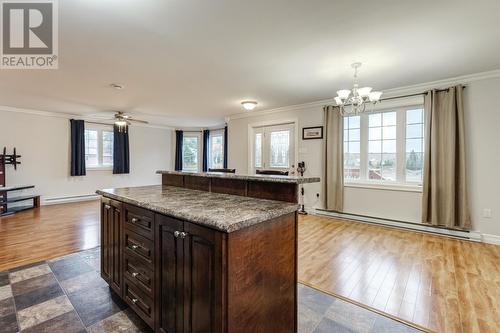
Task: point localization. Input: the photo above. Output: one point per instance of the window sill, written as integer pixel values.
(385, 187)
(100, 168)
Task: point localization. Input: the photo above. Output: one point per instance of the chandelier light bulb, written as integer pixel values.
(338, 101)
(364, 92)
(375, 96)
(343, 94)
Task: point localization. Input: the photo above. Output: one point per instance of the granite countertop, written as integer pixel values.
(261, 178)
(223, 212)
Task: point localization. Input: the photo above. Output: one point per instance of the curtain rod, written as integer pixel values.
(417, 94)
(97, 123)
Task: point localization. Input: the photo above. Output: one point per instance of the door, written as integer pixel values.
(202, 279)
(169, 275)
(273, 148)
(106, 239)
(110, 243)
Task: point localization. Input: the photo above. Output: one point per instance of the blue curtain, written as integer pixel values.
(206, 143)
(179, 136)
(121, 153)
(77, 147)
(225, 147)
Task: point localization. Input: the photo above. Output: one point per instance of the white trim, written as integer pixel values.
(99, 168)
(472, 235)
(70, 198)
(413, 89)
(77, 116)
(385, 186)
(491, 239)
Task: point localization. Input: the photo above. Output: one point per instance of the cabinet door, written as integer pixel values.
(106, 239)
(116, 265)
(202, 279)
(169, 275)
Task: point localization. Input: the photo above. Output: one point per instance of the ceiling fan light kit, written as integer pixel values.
(353, 101)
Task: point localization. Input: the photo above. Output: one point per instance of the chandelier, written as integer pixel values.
(352, 102)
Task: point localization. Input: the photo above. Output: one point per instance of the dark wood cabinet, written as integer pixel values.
(189, 277)
(111, 254)
(181, 277)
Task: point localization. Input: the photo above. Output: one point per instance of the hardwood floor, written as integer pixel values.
(443, 284)
(48, 232)
(439, 283)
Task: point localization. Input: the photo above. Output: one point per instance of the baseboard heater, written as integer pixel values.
(72, 198)
(460, 234)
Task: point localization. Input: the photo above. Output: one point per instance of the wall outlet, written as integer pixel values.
(487, 213)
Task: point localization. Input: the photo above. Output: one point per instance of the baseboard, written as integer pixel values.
(467, 235)
(68, 199)
(491, 239)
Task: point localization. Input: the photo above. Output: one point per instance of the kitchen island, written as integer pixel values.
(196, 260)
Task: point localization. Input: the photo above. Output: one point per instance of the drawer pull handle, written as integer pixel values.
(134, 300)
(134, 220)
(135, 247)
(135, 274)
(107, 206)
(180, 234)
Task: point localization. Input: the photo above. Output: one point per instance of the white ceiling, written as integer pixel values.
(192, 62)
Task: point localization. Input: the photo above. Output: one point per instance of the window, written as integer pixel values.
(273, 147)
(384, 147)
(98, 147)
(191, 152)
(216, 150)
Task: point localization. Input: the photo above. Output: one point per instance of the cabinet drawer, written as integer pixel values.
(139, 220)
(138, 273)
(138, 246)
(139, 302)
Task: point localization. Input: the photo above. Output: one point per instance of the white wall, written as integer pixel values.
(483, 138)
(44, 143)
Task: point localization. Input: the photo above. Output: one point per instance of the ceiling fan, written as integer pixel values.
(121, 119)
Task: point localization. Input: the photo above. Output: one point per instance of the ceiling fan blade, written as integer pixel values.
(138, 121)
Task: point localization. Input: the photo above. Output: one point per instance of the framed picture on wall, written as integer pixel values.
(311, 133)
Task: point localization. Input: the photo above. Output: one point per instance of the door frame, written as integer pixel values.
(251, 131)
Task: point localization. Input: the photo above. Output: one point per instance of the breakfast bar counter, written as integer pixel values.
(197, 260)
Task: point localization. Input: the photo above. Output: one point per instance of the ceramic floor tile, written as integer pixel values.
(124, 321)
(8, 324)
(37, 296)
(39, 313)
(317, 301)
(5, 292)
(386, 325)
(94, 305)
(69, 267)
(28, 285)
(4, 278)
(352, 316)
(87, 280)
(308, 319)
(28, 273)
(329, 326)
(67, 323)
(7, 307)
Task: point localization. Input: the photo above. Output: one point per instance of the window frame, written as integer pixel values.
(99, 129)
(198, 135)
(219, 132)
(400, 183)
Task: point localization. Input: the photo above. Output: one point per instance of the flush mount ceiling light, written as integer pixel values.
(354, 101)
(117, 86)
(249, 105)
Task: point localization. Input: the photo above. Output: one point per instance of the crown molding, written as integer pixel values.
(412, 89)
(70, 116)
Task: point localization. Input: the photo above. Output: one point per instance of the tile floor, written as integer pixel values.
(67, 295)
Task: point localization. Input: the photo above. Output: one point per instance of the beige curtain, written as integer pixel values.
(445, 201)
(333, 164)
